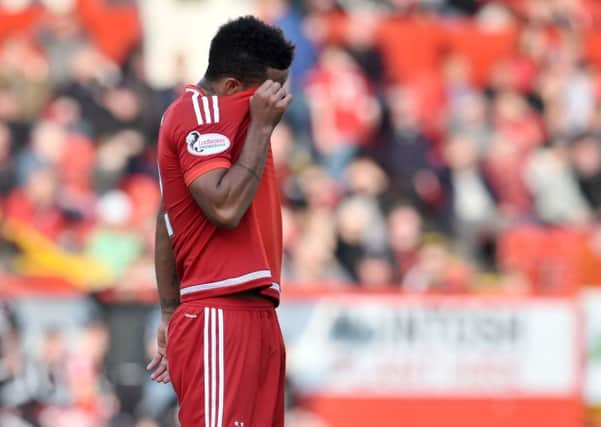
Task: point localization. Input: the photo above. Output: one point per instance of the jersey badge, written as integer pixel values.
(206, 144)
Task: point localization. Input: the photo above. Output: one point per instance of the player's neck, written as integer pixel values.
(206, 87)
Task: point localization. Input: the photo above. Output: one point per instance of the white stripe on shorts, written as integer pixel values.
(206, 366)
(214, 367)
(221, 371)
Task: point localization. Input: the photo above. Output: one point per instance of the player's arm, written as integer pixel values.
(224, 195)
(164, 265)
(168, 287)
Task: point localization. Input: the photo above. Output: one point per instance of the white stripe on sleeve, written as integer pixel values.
(196, 106)
(216, 109)
(205, 104)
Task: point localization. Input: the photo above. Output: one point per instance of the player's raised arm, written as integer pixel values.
(225, 194)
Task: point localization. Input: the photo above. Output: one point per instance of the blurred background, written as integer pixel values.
(441, 176)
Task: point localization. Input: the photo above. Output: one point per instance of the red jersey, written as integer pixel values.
(200, 133)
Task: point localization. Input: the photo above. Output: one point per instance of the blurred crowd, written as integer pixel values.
(433, 146)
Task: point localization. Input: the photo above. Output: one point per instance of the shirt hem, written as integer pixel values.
(204, 168)
(263, 284)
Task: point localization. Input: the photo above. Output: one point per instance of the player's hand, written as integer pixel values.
(158, 364)
(268, 104)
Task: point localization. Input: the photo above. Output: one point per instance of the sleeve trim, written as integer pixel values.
(205, 167)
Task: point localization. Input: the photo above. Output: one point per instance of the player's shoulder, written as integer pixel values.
(195, 109)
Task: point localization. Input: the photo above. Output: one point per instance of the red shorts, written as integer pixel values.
(227, 363)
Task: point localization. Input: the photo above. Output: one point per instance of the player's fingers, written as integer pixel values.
(263, 93)
(164, 378)
(158, 373)
(162, 374)
(285, 102)
(279, 94)
(159, 368)
(159, 378)
(154, 362)
(259, 93)
(274, 88)
(266, 86)
(271, 91)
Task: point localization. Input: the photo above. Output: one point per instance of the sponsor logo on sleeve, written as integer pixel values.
(206, 144)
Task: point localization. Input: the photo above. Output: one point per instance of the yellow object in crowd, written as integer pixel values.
(42, 257)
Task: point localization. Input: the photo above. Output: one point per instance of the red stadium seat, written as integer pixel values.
(483, 49)
(548, 257)
(116, 29)
(20, 22)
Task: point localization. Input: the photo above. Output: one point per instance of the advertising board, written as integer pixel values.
(431, 360)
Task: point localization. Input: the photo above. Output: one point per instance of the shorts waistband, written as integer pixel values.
(232, 303)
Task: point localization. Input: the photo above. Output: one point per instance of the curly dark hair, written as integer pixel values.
(245, 47)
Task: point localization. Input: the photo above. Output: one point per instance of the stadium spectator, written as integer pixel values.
(585, 156)
(7, 167)
(343, 109)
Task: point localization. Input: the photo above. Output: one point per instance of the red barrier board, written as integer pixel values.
(395, 412)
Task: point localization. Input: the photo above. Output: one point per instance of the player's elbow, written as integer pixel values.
(225, 218)
(226, 224)
(217, 209)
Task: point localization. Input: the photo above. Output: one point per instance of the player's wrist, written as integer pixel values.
(169, 309)
(263, 128)
(166, 316)
(168, 306)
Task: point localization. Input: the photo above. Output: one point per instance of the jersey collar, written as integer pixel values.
(196, 88)
(246, 92)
